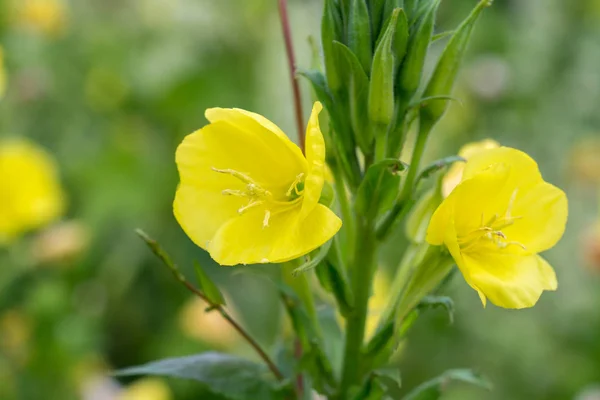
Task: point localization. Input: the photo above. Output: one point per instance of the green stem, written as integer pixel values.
(345, 208)
(300, 285)
(405, 199)
(362, 268)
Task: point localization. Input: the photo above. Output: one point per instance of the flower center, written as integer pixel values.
(491, 230)
(258, 196)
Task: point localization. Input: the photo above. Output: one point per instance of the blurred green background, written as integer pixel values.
(111, 87)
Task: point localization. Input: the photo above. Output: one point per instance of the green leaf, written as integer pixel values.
(436, 166)
(380, 185)
(208, 287)
(230, 376)
(319, 85)
(334, 281)
(376, 10)
(433, 389)
(390, 379)
(401, 37)
(331, 30)
(315, 260)
(381, 88)
(443, 77)
(359, 33)
(438, 301)
(371, 390)
(358, 90)
(412, 68)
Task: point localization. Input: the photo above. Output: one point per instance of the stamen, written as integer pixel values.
(294, 186)
(231, 192)
(252, 204)
(243, 177)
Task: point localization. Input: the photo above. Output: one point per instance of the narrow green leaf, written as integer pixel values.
(216, 371)
(315, 260)
(334, 281)
(433, 389)
(359, 33)
(208, 287)
(372, 389)
(381, 88)
(319, 85)
(443, 78)
(412, 68)
(331, 30)
(358, 90)
(380, 185)
(436, 166)
(438, 301)
(391, 381)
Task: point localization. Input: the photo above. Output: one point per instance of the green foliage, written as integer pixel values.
(433, 389)
(208, 287)
(223, 374)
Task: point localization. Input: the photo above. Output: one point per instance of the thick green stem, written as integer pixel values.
(362, 268)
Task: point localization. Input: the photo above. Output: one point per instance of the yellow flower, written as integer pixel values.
(455, 173)
(496, 221)
(46, 16)
(30, 193)
(247, 193)
(147, 389)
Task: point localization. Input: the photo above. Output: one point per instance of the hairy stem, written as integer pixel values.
(164, 257)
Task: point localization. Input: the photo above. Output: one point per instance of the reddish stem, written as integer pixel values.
(287, 35)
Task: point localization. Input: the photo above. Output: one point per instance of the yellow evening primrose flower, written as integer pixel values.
(30, 192)
(496, 221)
(455, 173)
(247, 194)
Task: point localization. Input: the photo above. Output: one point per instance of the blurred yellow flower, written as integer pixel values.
(30, 192)
(496, 221)
(377, 302)
(46, 16)
(455, 173)
(247, 193)
(146, 389)
(2, 74)
(209, 327)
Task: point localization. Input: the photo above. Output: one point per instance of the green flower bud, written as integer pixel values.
(411, 70)
(359, 33)
(381, 88)
(445, 73)
(331, 30)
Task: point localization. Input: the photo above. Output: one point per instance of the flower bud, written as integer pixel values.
(381, 88)
(410, 73)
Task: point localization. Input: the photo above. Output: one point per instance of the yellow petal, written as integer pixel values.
(223, 146)
(480, 197)
(244, 240)
(201, 210)
(525, 171)
(315, 155)
(455, 173)
(263, 130)
(508, 280)
(542, 213)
